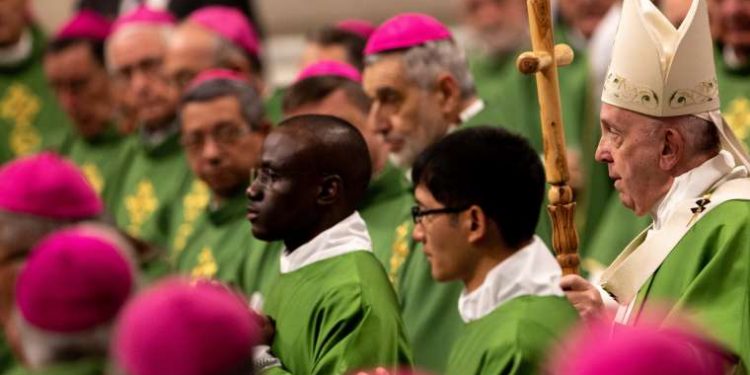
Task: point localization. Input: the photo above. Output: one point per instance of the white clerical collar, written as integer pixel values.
(18, 52)
(472, 110)
(531, 271)
(347, 236)
(692, 183)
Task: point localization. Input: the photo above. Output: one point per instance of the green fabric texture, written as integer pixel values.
(101, 158)
(706, 279)
(273, 106)
(515, 338)
(144, 197)
(30, 117)
(336, 316)
(7, 360)
(386, 209)
(80, 367)
(221, 247)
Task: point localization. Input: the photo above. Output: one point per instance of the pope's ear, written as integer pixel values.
(673, 149)
(476, 223)
(330, 189)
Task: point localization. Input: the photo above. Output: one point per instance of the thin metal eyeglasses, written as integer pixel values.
(418, 213)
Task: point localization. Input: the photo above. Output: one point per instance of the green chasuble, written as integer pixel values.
(101, 158)
(515, 338)
(734, 93)
(706, 277)
(386, 209)
(273, 106)
(144, 198)
(222, 247)
(30, 117)
(336, 316)
(80, 367)
(7, 360)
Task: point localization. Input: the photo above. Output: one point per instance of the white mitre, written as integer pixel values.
(663, 71)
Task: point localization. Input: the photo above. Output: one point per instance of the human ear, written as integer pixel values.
(449, 94)
(476, 223)
(330, 189)
(672, 150)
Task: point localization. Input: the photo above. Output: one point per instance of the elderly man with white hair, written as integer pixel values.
(672, 155)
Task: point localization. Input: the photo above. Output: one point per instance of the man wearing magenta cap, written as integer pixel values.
(74, 64)
(157, 177)
(334, 88)
(421, 88)
(223, 128)
(38, 194)
(67, 298)
(31, 118)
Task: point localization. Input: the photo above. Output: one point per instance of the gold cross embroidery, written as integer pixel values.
(140, 206)
(193, 204)
(206, 267)
(21, 107)
(737, 116)
(93, 176)
(400, 251)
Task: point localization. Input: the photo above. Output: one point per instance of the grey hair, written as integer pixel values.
(423, 63)
(701, 136)
(43, 348)
(165, 31)
(250, 102)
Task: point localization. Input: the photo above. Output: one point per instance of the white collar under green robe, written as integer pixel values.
(530, 271)
(345, 237)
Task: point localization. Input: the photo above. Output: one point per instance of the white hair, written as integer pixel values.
(423, 63)
(165, 31)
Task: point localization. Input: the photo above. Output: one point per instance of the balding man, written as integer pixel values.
(333, 306)
(157, 175)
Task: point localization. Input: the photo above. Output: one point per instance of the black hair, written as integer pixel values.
(354, 44)
(315, 89)
(339, 149)
(489, 167)
(250, 102)
(61, 44)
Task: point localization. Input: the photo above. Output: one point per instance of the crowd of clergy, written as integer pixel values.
(165, 210)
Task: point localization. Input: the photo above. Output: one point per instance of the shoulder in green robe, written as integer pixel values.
(515, 338)
(221, 247)
(30, 117)
(336, 316)
(706, 278)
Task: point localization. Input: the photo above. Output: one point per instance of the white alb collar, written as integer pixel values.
(531, 271)
(17, 52)
(472, 110)
(690, 184)
(347, 236)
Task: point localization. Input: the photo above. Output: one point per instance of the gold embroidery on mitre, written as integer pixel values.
(93, 176)
(206, 267)
(737, 116)
(622, 89)
(140, 206)
(400, 251)
(703, 92)
(193, 204)
(21, 107)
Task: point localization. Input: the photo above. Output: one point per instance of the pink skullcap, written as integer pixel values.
(360, 27)
(86, 24)
(47, 185)
(72, 282)
(639, 350)
(212, 74)
(144, 15)
(330, 68)
(187, 329)
(406, 30)
(231, 24)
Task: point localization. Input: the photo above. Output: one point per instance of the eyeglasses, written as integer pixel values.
(417, 213)
(224, 135)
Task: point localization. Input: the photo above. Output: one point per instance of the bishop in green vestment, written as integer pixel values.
(511, 303)
(683, 165)
(333, 308)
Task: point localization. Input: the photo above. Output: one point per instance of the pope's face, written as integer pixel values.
(220, 147)
(443, 242)
(585, 15)
(82, 87)
(136, 56)
(283, 195)
(733, 17)
(191, 50)
(407, 117)
(631, 145)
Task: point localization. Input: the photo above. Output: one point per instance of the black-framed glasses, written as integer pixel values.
(418, 213)
(224, 135)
